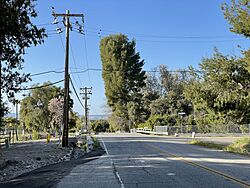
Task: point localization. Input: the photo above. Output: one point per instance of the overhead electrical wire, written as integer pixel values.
(148, 71)
(98, 31)
(99, 69)
(46, 72)
(64, 49)
(190, 41)
(85, 47)
(44, 24)
(105, 31)
(86, 58)
(42, 86)
(176, 41)
(74, 61)
(76, 93)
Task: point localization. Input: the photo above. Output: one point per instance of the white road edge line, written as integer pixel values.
(112, 163)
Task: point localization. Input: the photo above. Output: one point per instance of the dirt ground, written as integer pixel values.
(27, 156)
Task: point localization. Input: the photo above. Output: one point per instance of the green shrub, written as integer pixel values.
(100, 125)
(239, 146)
(35, 135)
(159, 120)
(207, 144)
(22, 137)
(96, 145)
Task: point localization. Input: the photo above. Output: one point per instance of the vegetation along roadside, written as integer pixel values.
(241, 146)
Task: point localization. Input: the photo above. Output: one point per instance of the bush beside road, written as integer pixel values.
(240, 146)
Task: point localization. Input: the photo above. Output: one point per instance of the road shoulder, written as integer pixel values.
(49, 176)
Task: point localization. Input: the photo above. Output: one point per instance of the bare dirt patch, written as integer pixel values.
(27, 156)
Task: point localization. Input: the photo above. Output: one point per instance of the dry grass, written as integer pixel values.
(241, 146)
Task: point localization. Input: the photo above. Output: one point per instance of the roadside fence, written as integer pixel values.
(234, 129)
(4, 140)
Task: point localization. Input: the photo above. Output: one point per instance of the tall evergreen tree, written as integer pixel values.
(122, 73)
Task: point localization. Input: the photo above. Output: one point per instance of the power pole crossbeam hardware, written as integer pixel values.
(85, 93)
(67, 15)
(66, 74)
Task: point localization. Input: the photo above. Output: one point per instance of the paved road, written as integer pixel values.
(134, 160)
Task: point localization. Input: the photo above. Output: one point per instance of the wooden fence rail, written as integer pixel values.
(5, 140)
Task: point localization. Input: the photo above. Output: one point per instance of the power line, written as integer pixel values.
(106, 31)
(46, 72)
(76, 93)
(86, 52)
(44, 24)
(148, 71)
(86, 57)
(73, 57)
(30, 88)
(64, 49)
(193, 42)
(180, 41)
(99, 69)
(176, 41)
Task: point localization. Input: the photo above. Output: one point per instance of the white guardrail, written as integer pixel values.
(152, 132)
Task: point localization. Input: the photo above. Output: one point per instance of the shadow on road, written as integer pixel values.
(49, 176)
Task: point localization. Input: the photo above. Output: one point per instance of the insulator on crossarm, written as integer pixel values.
(55, 21)
(59, 30)
(64, 21)
(99, 33)
(82, 19)
(80, 30)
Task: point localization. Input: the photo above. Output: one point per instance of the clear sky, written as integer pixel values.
(169, 32)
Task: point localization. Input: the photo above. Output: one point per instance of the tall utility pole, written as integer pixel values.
(86, 91)
(1, 106)
(66, 73)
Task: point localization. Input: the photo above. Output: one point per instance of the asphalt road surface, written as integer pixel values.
(134, 160)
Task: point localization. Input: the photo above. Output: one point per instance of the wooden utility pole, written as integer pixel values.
(1, 105)
(86, 92)
(66, 74)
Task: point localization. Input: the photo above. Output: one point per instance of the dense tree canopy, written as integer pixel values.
(222, 88)
(17, 33)
(34, 111)
(237, 14)
(100, 125)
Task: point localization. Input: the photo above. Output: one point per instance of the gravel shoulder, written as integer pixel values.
(50, 175)
(26, 156)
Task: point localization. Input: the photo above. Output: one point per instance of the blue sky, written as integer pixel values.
(160, 27)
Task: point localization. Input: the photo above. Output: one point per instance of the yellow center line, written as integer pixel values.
(231, 178)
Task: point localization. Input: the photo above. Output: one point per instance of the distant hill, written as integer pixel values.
(97, 117)
(10, 115)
